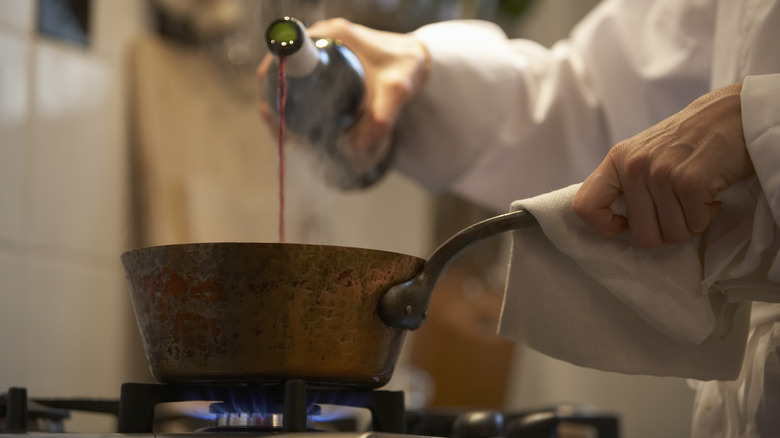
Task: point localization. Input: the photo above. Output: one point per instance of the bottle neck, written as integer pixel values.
(287, 38)
(303, 61)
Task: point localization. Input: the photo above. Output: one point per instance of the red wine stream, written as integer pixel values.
(281, 99)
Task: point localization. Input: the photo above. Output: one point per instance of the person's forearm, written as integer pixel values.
(503, 119)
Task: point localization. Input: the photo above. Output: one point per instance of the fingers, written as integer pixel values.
(370, 131)
(698, 212)
(338, 29)
(262, 68)
(671, 173)
(665, 224)
(642, 218)
(261, 73)
(264, 109)
(265, 113)
(657, 214)
(697, 194)
(660, 185)
(593, 201)
(648, 184)
(395, 68)
(331, 27)
(384, 107)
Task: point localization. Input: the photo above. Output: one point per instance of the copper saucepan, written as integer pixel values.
(268, 312)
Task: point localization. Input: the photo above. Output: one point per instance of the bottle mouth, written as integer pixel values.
(284, 36)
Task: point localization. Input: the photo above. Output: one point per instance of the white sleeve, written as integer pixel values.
(761, 124)
(502, 119)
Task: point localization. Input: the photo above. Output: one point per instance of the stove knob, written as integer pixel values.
(478, 424)
(541, 424)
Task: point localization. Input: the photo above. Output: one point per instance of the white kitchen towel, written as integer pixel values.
(603, 304)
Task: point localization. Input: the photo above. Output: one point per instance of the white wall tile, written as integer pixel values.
(17, 14)
(116, 23)
(14, 106)
(72, 333)
(78, 159)
(65, 314)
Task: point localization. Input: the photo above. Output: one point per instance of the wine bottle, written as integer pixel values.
(325, 94)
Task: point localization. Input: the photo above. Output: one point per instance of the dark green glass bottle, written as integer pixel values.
(325, 93)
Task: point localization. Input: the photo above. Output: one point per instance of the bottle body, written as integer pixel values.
(325, 94)
(324, 103)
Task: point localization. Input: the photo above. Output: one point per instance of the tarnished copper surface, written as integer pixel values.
(257, 312)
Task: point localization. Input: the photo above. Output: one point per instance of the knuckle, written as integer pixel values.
(666, 163)
(380, 124)
(398, 86)
(690, 185)
(636, 166)
(338, 28)
(633, 160)
(339, 23)
(659, 173)
(617, 151)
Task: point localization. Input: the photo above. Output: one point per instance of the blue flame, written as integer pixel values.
(333, 413)
(193, 409)
(326, 406)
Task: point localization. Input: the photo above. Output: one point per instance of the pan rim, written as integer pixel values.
(161, 247)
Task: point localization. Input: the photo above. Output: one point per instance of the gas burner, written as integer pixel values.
(231, 417)
(284, 407)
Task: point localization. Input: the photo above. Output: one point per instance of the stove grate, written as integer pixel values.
(138, 400)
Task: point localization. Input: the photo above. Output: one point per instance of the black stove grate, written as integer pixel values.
(138, 400)
(20, 414)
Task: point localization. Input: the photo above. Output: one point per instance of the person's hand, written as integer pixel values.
(670, 174)
(395, 64)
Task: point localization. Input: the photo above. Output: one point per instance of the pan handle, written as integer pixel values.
(405, 305)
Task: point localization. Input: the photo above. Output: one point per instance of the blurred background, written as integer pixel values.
(127, 123)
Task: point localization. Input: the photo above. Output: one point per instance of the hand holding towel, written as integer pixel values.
(604, 304)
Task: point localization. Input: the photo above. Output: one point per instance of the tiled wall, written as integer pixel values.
(63, 203)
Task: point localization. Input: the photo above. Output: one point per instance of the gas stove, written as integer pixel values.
(293, 409)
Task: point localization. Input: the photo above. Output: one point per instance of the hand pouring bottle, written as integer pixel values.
(324, 100)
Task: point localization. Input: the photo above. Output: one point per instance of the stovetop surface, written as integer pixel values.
(293, 402)
(370, 434)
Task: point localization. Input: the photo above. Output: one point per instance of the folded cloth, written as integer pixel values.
(604, 304)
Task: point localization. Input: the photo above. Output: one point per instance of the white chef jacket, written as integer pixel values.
(502, 119)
